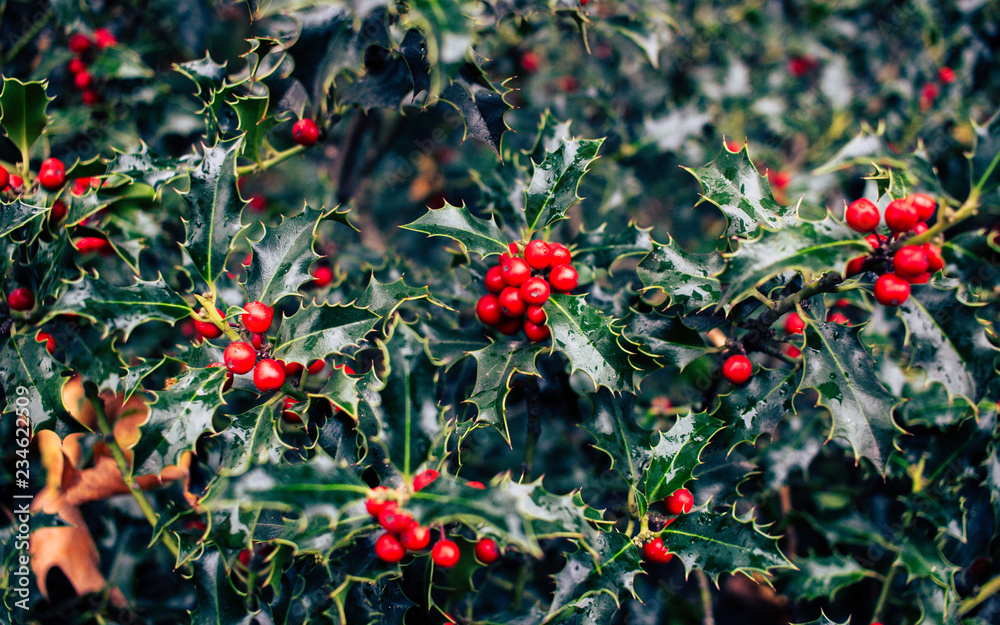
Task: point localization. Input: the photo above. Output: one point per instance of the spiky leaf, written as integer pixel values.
(614, 570)
(496, 366)
(318, 331)
(687, 279)
(23, 112)
(281, 258)
(552, 190)
(481, 236)
(678, 453)
(586, 337)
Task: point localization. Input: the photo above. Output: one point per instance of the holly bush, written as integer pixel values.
(700, 325)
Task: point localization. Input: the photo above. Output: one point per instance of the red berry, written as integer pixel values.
(656, 551)
(395, 521)
(79, 44)
(935, 260)
(21, 299)
(680, 502)
(90, 97)
(239, 357)
(244, 557)
(4, 177)
(794, 323)
(104, 38)
(424, 479)
(511, 302)
(52, 174)
(16, 183)
(87, 245)
(268, 375)
(737, 369)
(563, 278)
(475, 484)
(568, 83)
(793, 351)
(946, 75)
(559, 255)
(258, 317)
(487, 551)
(538, 254)
(836, 317)
(229, 376)
(536, 333)
(322, 276)
(81, 186)
(257, 202)
(536, 315)
(891, 290)
(779, 179)
(509, 326)
(445, 554)
(389, 549)
(862, 215)
(901, 215)
(535, 291)
(875, 240)
(923, 278)
(928, 93)
(920, 228)
(515, 271)
(48, 339)
(494, 279)
(530, 62)
(318, 365)
(376, 502)
(488, 309)
(925, 204)
(305, 132)
(76, 66)
(83, 81)
(910, 261)
(416, 538)
(208, 329)
(255, 341)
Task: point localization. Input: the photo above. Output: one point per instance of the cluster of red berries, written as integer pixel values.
(51, 177)
(83, 47)
(403, 533)
(680, 502)
(240, 356)
(910, 264)
(518, 290)
(930, 91)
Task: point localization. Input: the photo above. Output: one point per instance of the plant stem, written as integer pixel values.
(280, 157)
(213, 315)
(706, 598)
(93, 395)
(987, 590)
(880, 604)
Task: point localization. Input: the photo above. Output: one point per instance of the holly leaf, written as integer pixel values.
(732, 183)
(23, 114)
(554, 181)
(663, 337)
(811, 247)
(921, 557)
(758, 406)
(495, 368)
(282, 256)
(181, 413)
(824, 577)
(723, 543)
(399, 411)
(318, 331)
(825, 620)
(218, 603)
(601, 248)
(586, 337)
(687, 279)
(610, 572)
(482, 107)
(142, 168)
(677, 453)
(843, 373)
(383, 298)
(16, 214)
(254, 123)
(251, 439)
(30, 373)
(214, 208)
(612, 422)
(984, 155)
(481, 236)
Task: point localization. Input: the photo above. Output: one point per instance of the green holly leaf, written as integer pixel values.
(949, 342)
(933, 406)
(120, 307)
(180, 414)
(143, 168)
(732, 183)
(824, 577)
(612, 422)
(554, 181)
(586, 337)
(601, 248)
(825, 620)
(383, 298)
(447, 342)
(481, 236)
(495, 368)
(758, 406)
(23, 114)
(612, 571)
(687, 279)
(985, 153)
(218, 602)
(214, 208)
(282, 256)
(723, 543)
(843, 373)
(482, 108)
(16, 214)
(922, 557)
(677, 453)
(811, 247)
(254, 123)
(318, 331)
(663, 337)
(30, 372)
(252, 439)
(399, 411)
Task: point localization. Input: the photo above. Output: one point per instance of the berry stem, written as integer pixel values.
(211, 314)
(884, 595)
(705, 592)
(271, 162)
(94, 397)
